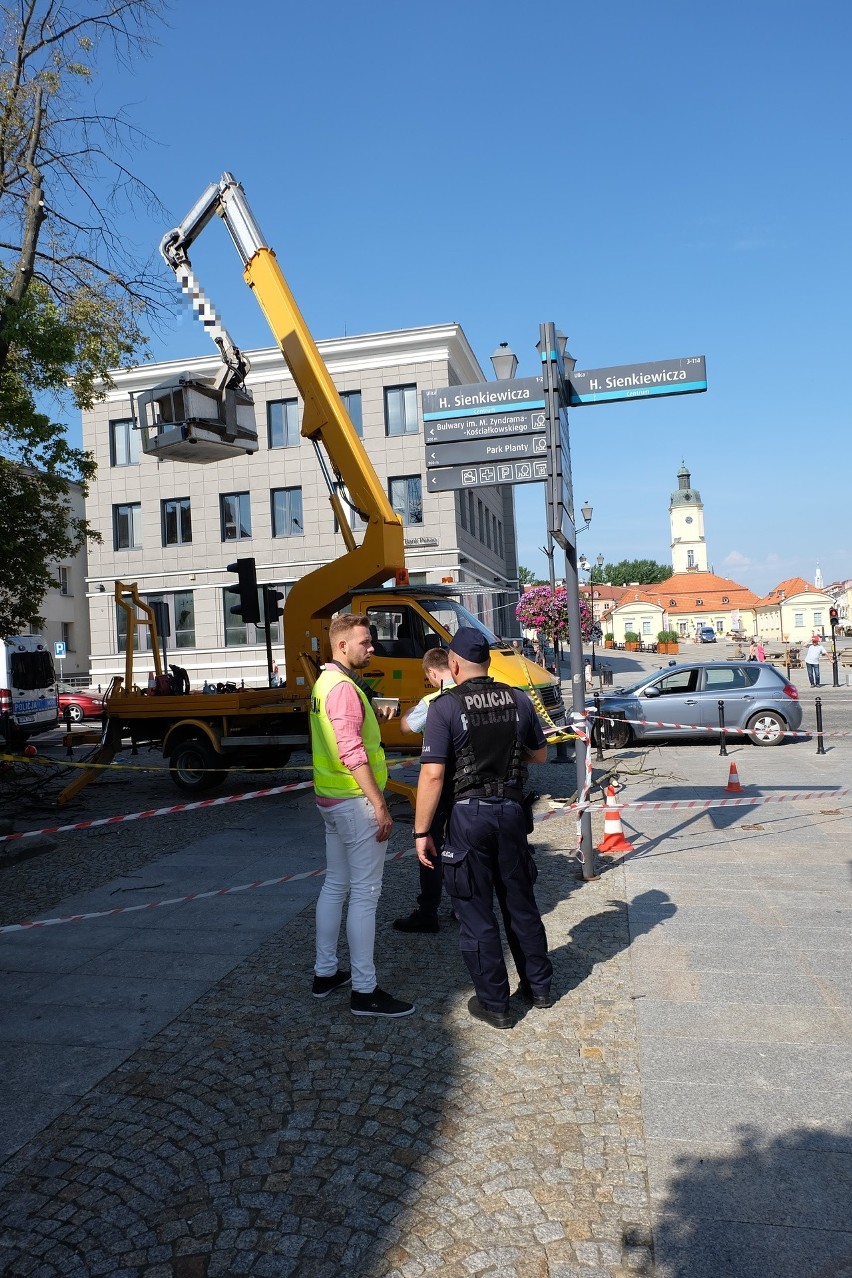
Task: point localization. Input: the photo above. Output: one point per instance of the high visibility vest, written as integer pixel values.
(332, 779)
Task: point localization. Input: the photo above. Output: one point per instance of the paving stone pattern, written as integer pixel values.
(265, 1133)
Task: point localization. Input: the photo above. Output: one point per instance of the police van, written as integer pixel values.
(28, 698)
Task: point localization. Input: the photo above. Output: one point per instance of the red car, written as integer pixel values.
(79, 705)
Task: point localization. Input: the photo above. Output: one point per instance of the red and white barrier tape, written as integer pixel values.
(700, 727)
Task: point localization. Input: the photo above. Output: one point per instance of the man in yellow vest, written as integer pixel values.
(350, 773)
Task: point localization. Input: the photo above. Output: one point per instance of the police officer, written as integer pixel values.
(484, 733)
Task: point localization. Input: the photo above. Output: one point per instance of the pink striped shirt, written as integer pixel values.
(345, 709)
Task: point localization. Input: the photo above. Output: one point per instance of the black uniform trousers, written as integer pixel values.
(486, 854)
(429, 899)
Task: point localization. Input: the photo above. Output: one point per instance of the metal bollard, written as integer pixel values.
(723, 749)
(820, 742)
(599, 754)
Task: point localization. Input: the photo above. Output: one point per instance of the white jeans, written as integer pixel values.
(355, 863)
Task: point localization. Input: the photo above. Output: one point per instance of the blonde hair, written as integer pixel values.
(436, 659)
(342, 625)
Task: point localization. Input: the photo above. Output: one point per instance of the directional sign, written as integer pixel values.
(482, 397)
(516, 448)
(525, 472)
(486, 425)
(685, 376)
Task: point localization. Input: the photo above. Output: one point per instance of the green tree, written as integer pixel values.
(526, 577)
(73, 298)
(646, 571)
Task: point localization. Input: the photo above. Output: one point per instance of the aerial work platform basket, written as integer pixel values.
(194, 420)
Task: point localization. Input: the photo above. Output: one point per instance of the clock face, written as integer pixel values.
(689, 519)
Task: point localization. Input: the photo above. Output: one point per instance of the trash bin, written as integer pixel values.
(606, 677)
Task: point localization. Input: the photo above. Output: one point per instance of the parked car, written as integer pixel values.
(79, 705)
(757, 697)
(706, 634)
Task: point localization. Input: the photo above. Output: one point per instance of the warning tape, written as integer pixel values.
(653, 805)
(694, 727)
(40, 759)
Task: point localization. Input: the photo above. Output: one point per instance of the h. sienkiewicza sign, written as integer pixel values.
(684, 376)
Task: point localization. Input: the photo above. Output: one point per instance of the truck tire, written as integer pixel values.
(193, 766)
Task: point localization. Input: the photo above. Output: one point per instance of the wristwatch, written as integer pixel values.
(421, 836)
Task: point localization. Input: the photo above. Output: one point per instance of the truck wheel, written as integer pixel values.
(193, 766)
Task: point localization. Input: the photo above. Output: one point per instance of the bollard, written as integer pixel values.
(723, 749)
(66, 715)
(599, 754)
(820, 742)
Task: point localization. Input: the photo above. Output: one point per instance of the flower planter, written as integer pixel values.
(609, 643)
(631, 647)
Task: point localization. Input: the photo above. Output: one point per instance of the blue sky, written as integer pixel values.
(659, 180)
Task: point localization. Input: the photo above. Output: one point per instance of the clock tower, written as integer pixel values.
(686, 514)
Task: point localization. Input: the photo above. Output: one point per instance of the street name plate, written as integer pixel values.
(525, 472)
(484, 426)
(685, 376)
(482, 397)
(515, 448)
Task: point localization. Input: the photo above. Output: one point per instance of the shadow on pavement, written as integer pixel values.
(599, 937)
(778, 1205)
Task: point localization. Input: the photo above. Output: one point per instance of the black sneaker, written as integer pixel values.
(378, 1004)
(538, 1000)
(497, 1020)
(325, 985)
(417, 922)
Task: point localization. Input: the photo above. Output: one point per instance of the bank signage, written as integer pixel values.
(514, 448)
(485, 476)
(684, 376)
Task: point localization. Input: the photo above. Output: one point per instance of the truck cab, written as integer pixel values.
(406, 622)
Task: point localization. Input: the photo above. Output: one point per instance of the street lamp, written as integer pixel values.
(504, 362)
(586, 512)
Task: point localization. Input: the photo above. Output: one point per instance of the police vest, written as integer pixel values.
(489, 762)
(332, 779)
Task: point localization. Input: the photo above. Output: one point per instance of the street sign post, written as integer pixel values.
(59, 651)
(485, 426)
(451, 477)
(684, 376)
(452, 402)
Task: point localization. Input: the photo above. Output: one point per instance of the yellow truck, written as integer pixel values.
(202, 736)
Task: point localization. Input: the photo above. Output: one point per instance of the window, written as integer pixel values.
(401, 410)
(127, 526)
(282, 423)
(123, 443)
(488, 527)
(817, 617)
(690, 559)
(406, 498)
(352, 404)
(646, 626)
(798, 618)
(121, 630)
(463, 509)
(64, 580)
(494, 532)
(236, 516)
(180, 612)
(500, 538)
(727, 677)
(683, 681)
(470, 522)
(629, 624)
(68, 635)
(237, 632)
(396, 632)
(176, 521)
(699, 603)
(720, 625)
(287, 512)
(479, 519)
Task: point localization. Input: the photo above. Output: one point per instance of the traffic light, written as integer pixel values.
(272, 601)
(833, 617)
(247, 609)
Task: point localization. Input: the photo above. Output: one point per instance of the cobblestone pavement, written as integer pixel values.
(265, 1133)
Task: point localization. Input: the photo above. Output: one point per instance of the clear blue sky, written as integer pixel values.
(659, 180)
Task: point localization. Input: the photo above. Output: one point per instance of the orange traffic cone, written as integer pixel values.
(733, 786)
(613, 839)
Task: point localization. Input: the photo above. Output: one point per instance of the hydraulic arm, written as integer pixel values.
(315, 597)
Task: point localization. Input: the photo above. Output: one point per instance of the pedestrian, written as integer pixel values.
(424, 918)
(752, 651)
(483, 734)
(812, 656)
(588, 677)
(761, 651)
(350, 773)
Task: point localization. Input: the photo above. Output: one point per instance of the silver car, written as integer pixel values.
(756, 696)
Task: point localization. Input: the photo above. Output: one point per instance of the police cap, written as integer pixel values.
(471, 645)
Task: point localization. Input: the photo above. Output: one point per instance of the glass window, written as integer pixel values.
(451, 615)
(798, 618)
(123, 443)
(401, 410)
(121, 630)
(127, 526)
(470, 522)
(463, 509)
(690, 559)
(237, 632)
(406, 498)
(500, 538)
(396, 632)
(727, 677)
(176, 521)
(68, 635)
(817, 618)
(646, 626)
(236, 516)
(683, 681)
(287, 512)
(180, 610)
(64, 580)
(282, 423)
(479, 513)
(488, 528)
(352, 404)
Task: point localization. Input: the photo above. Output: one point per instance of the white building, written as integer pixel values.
(173, 527)
(65, 607)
